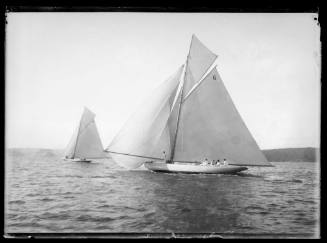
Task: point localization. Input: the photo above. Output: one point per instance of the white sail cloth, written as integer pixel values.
(145, 132)
(211, 127)
(86, 142)
(199, 60)
(209, 123)
(70, 149)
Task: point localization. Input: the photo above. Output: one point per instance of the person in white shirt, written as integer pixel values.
(205, 162)
(225, 162)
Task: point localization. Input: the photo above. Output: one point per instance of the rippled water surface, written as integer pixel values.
(47, 194)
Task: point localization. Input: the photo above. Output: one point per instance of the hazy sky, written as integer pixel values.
(57, 63)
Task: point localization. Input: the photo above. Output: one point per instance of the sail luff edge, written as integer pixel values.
(180, 103)
(133, 155)
(79, 128)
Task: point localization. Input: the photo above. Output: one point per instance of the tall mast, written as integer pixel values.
(180, 105)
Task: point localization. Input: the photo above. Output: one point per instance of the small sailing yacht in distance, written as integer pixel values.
(186, 120)
(85, 143)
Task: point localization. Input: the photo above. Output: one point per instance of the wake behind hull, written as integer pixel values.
(189, 168)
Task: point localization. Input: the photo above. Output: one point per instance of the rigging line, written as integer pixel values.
(182, 100)
(180, 104)
(179, 110)
(134, 155)
(179, 88)
(104, 157)
(149, 157)
(178, 115)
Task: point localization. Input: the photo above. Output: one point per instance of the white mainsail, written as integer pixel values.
(211, 127)
(85, 142)
(146, 127)
(191, 122)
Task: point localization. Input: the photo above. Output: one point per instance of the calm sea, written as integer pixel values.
(47, 194)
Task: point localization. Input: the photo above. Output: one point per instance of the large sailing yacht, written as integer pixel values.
(85, 143)
(188, 119)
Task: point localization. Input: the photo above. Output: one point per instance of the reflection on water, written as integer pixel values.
(51, 195)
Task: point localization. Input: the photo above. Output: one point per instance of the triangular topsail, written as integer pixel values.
(145, 128)
(86, 142)
(199, 60)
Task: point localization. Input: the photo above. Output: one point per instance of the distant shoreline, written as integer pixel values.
(308, 154)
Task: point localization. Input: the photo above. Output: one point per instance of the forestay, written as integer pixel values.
(145, 131)
(165, 142)
(210, 126)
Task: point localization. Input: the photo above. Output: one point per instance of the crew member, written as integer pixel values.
(205, 162)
